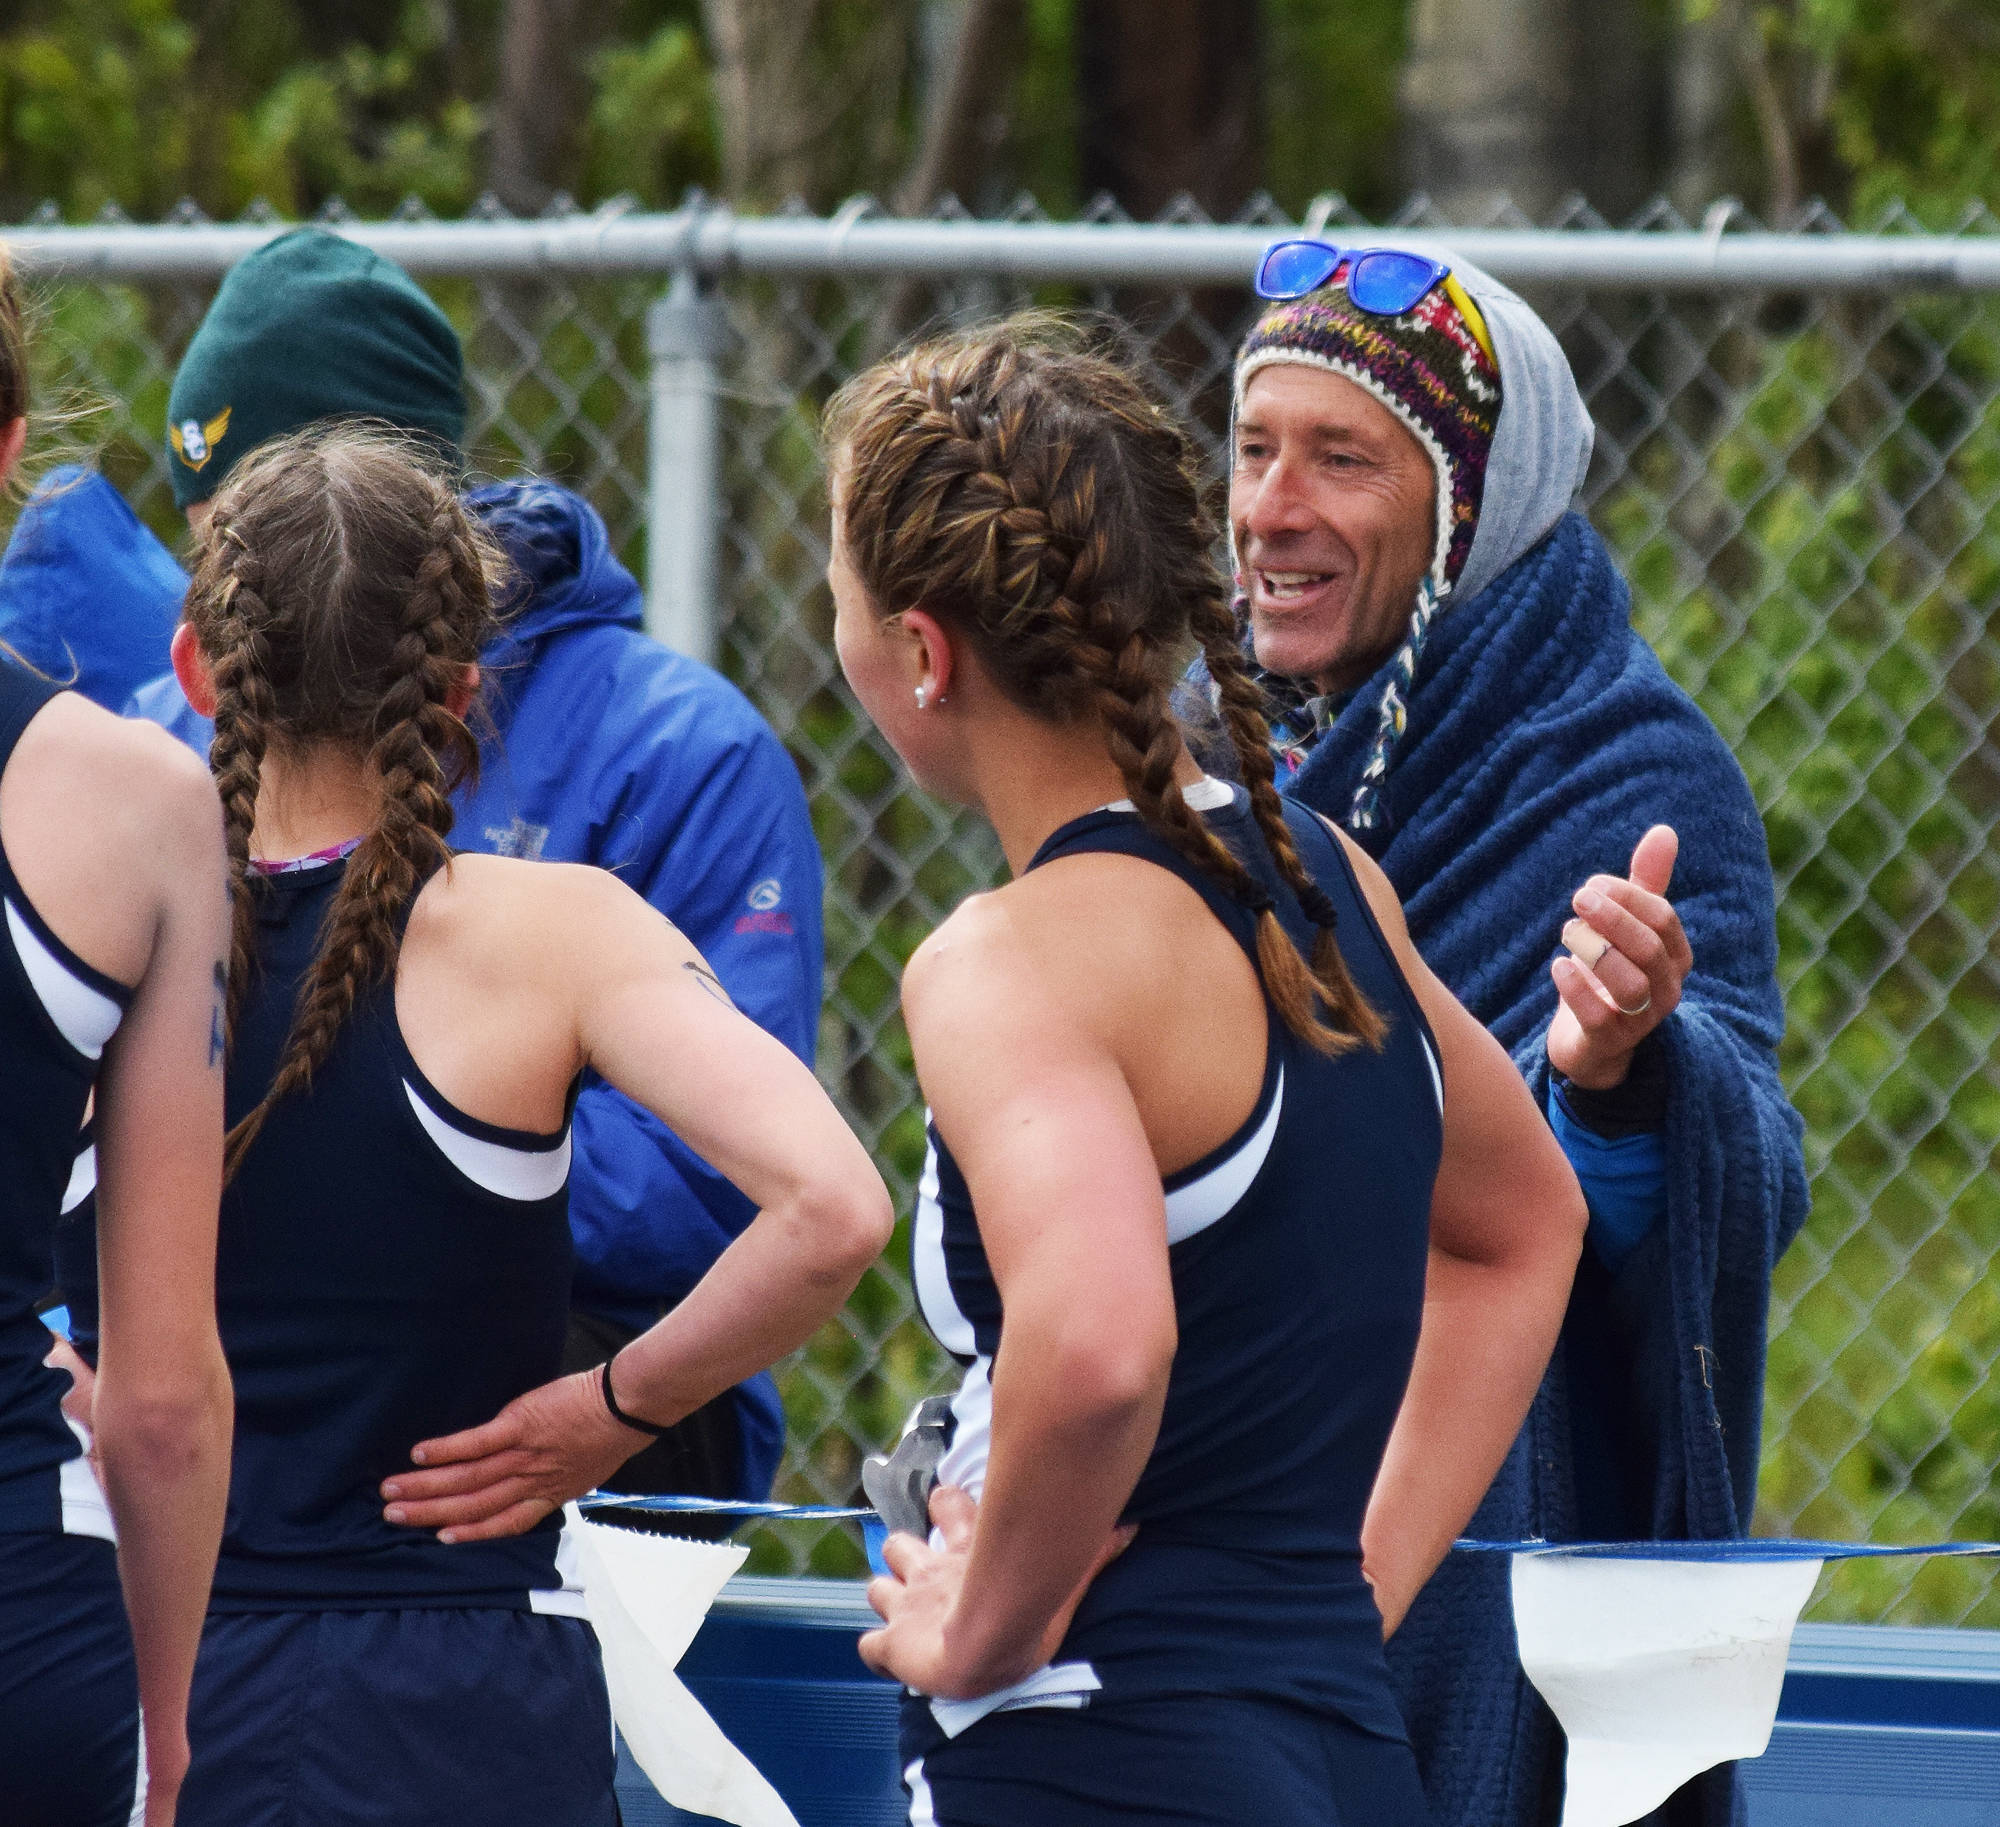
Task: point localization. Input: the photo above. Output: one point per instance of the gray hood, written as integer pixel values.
(1541, 447)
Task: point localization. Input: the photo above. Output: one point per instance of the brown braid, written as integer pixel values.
(1242, 705)
(238, 658)
(340, 595)
(1030, 493)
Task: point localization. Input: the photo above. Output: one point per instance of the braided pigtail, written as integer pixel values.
(225, 598)
(341, 600)
(420, 749)
(1354, 1019)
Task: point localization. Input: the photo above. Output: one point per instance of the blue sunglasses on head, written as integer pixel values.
(1384, 281)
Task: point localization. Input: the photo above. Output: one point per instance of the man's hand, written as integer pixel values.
(920, 1594)
(77, 1403)
(80, 1403)
(1630, 959)
(542, 1449)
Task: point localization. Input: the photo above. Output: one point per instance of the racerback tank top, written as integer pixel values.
(389, 1269)
(56, 1014)
(1297, 1250)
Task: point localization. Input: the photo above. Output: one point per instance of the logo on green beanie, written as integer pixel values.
(194, 443)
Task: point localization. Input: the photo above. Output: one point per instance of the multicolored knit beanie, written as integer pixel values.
(1434, 368)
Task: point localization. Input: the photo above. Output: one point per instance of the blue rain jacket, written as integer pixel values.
(615, 751)
(87, 595)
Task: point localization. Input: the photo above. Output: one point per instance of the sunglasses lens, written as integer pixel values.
(1389, 283)
(1294, 268)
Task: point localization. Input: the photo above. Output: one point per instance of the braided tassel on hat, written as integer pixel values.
(1366, 813)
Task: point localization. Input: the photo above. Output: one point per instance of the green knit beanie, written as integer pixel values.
(311, 326)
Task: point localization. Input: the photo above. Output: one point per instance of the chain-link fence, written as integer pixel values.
(1798, 465)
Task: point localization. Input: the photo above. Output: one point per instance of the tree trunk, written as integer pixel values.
(762, 52)
(1170, 101)
(1532, 100)
(538, 100)
(1704, 94)
(966, 115)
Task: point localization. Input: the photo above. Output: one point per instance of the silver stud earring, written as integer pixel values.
(923, 697)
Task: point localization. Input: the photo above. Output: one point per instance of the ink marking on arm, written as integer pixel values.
(218, 1039)
(708, 981)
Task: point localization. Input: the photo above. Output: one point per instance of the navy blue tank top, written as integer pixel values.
(1297, 1250)
(56, 1014)
(388, 1269)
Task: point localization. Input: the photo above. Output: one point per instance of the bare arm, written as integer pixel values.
(1507, 1222)
(163, 1406)
(652, 1019)
(1040, 1118)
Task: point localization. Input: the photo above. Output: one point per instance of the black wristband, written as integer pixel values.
(618, 1414)
(1636, 1105)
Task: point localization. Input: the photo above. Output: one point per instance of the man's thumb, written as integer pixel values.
(1653, 859)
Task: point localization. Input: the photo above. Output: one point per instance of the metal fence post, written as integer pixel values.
(684, 340)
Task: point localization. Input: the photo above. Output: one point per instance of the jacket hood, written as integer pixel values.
(87, 594)
(566, 575)
(1541, 446)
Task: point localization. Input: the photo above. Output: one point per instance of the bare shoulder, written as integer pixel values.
(1005, 944)
(112, 828)
(1062, 950)
(130, 771)
(968, 943)
(531, 918)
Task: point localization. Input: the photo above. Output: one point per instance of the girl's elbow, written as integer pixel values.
(1118, 1372)
(850, 1223)
(164, 1427)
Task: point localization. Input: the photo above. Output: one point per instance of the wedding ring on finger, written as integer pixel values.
(1640, 1010)
(1584, 942)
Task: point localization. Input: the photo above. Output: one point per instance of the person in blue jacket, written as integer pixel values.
(605, 748)
(88, 596)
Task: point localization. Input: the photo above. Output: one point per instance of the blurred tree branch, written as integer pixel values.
(1170, 99)
(807, 94)
(967, 115)
(1786, 51)
(538, 97)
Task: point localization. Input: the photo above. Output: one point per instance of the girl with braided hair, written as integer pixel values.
(1209, 1147)
(407, 1030)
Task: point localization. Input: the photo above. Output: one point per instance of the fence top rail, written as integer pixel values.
(716, 241)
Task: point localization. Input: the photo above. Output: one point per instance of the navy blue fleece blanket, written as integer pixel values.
(1544, 737)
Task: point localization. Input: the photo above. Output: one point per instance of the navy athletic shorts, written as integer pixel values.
(1182, 1760)
(69, 1692)
(408, 1718)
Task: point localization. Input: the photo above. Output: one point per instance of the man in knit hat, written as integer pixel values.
(1453, 678)
(608, 749)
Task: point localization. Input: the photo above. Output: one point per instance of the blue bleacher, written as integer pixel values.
(1878, 1727)
(1881, 1727)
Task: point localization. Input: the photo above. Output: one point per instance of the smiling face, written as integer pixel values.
(1333, 505)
